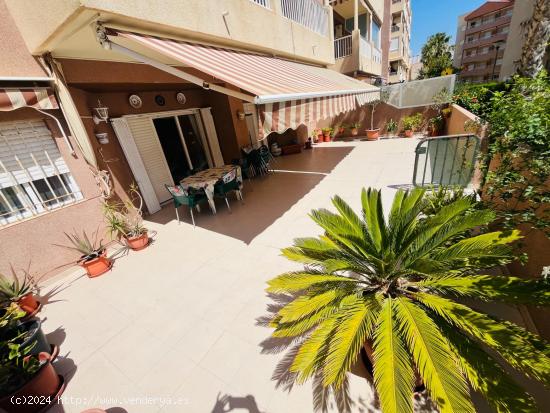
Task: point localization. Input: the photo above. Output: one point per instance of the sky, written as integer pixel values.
(432, 16)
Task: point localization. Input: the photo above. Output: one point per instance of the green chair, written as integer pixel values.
(228, 183)
(192, 198)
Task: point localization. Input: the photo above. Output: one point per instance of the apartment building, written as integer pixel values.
(482, 40)
(148, 91)
(371, 39)
(399, 46)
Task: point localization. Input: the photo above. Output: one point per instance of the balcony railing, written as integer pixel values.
(264, 3)
(395, 28)
(308, 13)
(343, 47)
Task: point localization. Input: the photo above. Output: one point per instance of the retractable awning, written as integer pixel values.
(286, 93)
(38, 98)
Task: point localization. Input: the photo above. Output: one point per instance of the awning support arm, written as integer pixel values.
(110, 45)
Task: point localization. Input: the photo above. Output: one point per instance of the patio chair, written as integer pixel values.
(192, 198)
(228, 184)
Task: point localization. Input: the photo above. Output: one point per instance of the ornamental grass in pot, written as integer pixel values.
(23, 375)
(93, 255)
(124, 220)
(21, 292)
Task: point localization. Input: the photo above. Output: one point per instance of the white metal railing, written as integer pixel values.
(264, 3)
(343, 47)
(308, 13)
(376, 55)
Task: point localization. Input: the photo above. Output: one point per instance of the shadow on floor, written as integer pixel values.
(266, 198)
(227, 403)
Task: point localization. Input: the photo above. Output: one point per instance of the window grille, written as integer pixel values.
(34, 178)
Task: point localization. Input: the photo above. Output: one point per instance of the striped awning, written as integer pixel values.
(39, 98)
(287, 93)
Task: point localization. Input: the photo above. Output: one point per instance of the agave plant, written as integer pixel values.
(396, 287)
(89, 248)
(12, 288)
(124, 219)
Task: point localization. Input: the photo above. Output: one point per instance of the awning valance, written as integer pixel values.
(38, 98)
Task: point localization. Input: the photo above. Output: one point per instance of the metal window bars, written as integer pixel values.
(31, 196)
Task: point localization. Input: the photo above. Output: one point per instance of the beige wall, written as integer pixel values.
(523, 10)
(16, 61)
(29, 244)
(246, 24)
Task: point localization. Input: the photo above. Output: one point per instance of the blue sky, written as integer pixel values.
(432, 16)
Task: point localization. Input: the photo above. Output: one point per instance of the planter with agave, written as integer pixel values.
(24, 375)
(21, 292)
(395, 288)
(124, 220)
(93, 254)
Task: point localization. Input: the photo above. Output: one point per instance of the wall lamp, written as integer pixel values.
(240, 114)
(101, 113)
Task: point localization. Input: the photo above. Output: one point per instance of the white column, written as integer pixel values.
(355, 15)
(370, 26)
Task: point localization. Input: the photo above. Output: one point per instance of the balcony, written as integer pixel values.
(395, 28)
(354, 53)
(486, 41)
(298, 29)
(488, 25)
(481, 57)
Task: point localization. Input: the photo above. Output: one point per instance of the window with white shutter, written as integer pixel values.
(34, 178)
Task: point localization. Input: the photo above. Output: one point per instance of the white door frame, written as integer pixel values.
(206, 131)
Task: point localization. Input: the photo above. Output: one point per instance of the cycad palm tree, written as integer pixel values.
(396, 285)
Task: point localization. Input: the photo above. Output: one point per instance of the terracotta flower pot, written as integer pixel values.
(409, 133)
(326, 138)
(373, 134)
(29, 304)
(320, 137)
(45, 385)
(138, 243)
(341, 131)
(97, 266)
(354, 131)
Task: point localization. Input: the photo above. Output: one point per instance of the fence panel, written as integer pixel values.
(418, 92)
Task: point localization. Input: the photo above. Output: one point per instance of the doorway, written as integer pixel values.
(181, 144)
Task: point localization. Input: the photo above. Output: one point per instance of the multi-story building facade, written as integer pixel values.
(358, 28)
(152, 92)
(400, 38)
(482, 38)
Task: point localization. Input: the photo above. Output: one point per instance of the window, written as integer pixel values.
(34, 178)
(363, 26)
(394, 44)
(375, 34)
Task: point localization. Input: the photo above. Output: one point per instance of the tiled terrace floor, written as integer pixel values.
(178, 319)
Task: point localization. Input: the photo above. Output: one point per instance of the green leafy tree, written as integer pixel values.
(436, 56)
(394, 286)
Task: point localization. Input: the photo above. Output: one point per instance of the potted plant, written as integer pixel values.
(341, 128)
(23, 375)
(354, 128)
(403, 292)
(314, 136)
(391, 127)
(21, 292)
(411, 123)
(319, 135)
(327, 133)
(93, 255)
(436, 125)
(372, 133)
(124, 220)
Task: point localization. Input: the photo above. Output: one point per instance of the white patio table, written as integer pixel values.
(207, 179)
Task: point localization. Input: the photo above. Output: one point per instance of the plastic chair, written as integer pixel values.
(228, 184)
(192, 198)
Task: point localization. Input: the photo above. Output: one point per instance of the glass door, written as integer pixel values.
(193, 143)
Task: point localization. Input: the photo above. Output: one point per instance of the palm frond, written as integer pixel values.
(487, 377)
(518, 351)
(350, 216)
(491, 245)
(393, 371)
(307, 304)
(355, 325)
(373, 214)
(434, 359)
(313, 350)
(291, 282)
(490, 287)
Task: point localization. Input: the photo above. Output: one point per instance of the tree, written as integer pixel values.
(536, 42)
(391, 286)
(436, 56)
